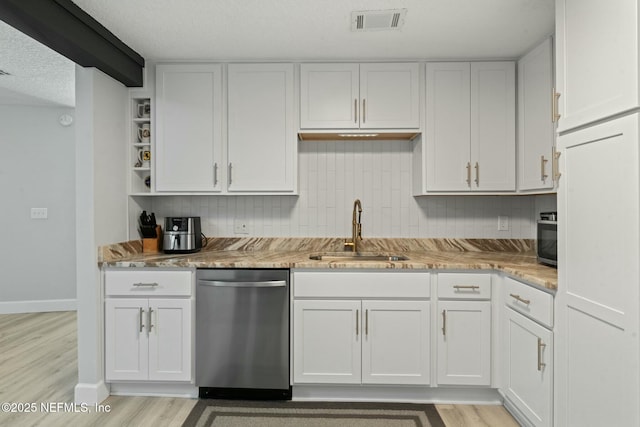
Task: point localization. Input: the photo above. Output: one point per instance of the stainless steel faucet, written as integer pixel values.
(356, 227)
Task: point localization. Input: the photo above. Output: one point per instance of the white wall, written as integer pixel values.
(101, 212)
(37, 169)
(333, 174)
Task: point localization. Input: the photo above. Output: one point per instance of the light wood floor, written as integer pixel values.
(38, 364)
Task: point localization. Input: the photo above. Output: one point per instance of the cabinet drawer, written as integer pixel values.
(148, 282)
(529, 301)
(355, 284)
(464, 286)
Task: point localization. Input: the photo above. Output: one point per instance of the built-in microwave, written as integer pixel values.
(547, 243)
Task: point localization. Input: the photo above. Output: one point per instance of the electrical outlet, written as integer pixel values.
(39, 213)
(503, 223)
(240, 226)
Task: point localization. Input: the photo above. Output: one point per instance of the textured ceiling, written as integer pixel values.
(279, 30)
(38, 75)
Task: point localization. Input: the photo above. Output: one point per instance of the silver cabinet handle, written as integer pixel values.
(215, 174)
(519, 298)
(543, 176)
(477, 180)
(357, 322)
(541, 346)
(141, 325)
(469, 174)
(364, 111)
(472, 287)
(262, 284)
(355, 108)
(149, 324)
(366, 323)
(444, 323)
(149, 285)
(229, 173)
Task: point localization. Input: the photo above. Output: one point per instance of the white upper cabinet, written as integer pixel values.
(596, 59)
(493, 126)
(262, 143)
(189, 127)
(447, 131)
(470, 127)
(359, 96)
(535, 121)
(329, 96)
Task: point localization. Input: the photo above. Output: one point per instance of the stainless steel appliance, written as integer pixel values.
(182, 235)
(547, 243)
(242, 334)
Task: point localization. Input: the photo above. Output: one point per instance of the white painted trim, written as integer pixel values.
(13, 307)
(516, 413)
(188, 391)
(90, 394)
(407, 394)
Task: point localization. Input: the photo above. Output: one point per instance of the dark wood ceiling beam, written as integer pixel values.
(70, 31)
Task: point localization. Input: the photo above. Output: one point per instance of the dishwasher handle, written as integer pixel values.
(232, 284)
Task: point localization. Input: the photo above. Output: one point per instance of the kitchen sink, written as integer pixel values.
(357, 256)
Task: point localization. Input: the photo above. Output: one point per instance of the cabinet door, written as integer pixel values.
(329, 96)
(327, 341)
(188, 126)
(596, 59)
(464, 342)
(529, 368)
(493, 132)
(170, 339)
(535, 125)
(389, 95)
(447, 132)
(597, 304)
(395, 344)
(126, 340)
(262, 144)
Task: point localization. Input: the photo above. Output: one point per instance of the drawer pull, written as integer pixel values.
(357, 321)
(141, 284)
(519, 298)
(472, 287)
(541, 346)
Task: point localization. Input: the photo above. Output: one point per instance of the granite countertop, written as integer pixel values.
(514, 257)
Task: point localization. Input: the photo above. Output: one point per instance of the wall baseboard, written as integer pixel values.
(14, 307)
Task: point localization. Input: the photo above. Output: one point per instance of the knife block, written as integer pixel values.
(153, 245)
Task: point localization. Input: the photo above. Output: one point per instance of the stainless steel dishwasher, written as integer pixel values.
(242, 334)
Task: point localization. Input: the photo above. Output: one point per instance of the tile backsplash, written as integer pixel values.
(332, 174)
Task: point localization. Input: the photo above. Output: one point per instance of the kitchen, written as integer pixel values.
(462, 208)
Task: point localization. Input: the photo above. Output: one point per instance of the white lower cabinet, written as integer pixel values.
(368, 342)
(148, 326)
(529, 361)
(464, 329)
(464, 343)
(373, 329)
(529, 352)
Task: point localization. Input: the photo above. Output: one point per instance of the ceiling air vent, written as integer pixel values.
(377, 20)
(4, 73)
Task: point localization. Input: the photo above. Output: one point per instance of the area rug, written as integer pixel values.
(234, 413)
